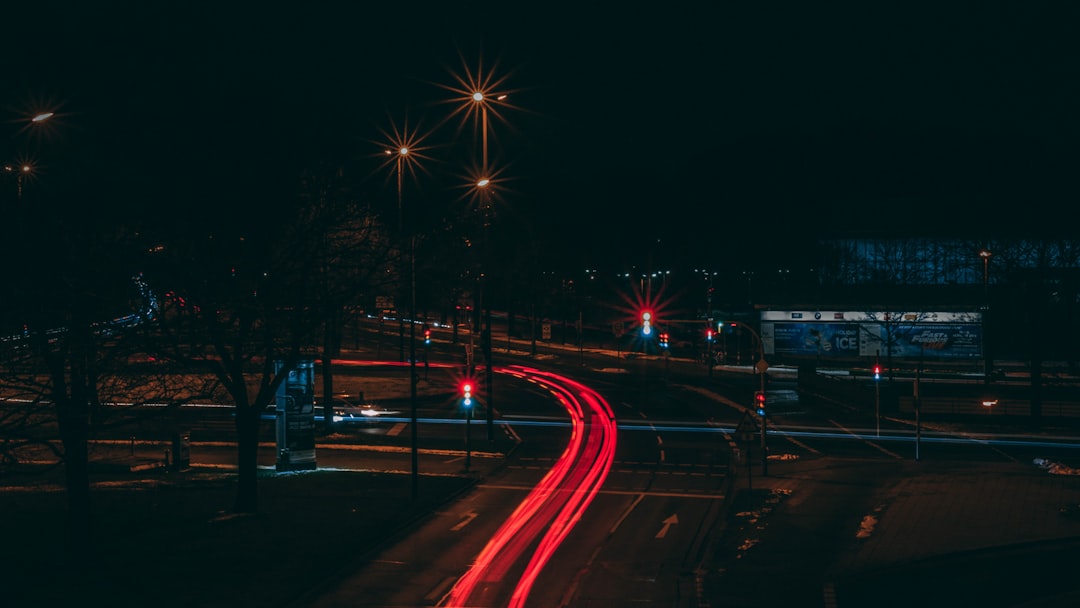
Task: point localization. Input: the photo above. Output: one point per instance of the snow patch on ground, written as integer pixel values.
(1055, 468)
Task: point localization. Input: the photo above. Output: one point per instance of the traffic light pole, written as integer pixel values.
(760, 369)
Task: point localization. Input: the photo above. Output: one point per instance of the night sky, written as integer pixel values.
(711, 132)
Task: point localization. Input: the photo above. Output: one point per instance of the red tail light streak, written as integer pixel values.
(547, 515)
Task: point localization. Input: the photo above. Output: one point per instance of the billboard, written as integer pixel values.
(811, 339)
(930, 340)
(846, 334)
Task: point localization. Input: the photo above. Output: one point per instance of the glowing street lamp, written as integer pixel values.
(476, 96)
(22, 170)
(405, 153)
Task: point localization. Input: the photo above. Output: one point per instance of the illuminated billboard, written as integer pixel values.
(847, 334)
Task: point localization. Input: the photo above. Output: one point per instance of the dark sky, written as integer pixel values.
(722, 129)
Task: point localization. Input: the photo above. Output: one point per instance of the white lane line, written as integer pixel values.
(866, 441)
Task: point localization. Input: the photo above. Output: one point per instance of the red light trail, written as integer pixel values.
(554, 506)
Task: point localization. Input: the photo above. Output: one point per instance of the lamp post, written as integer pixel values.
(405, 152)
(986, 254)
(480, 100)
(19, 171)
(477, 97)
(484, 186)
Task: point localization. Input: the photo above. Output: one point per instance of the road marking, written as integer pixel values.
(867, 442)
(639, 498)
(797, 442)
(471, 515)
(674, 519)
(440, 589)
(396, 429)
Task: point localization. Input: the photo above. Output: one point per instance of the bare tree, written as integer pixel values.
(246, 309)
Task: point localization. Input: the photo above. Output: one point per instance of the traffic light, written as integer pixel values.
(427, 336)
(708, 335)
(877, 371)
(646, 323)
(663, 339)
(759, 402)
(466, 394)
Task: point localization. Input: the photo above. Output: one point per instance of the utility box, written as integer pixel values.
(181, 451)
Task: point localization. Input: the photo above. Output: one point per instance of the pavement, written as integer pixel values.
(820, 532)
(831, 532)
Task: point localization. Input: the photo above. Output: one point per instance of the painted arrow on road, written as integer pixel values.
(471, 515)
(674, 519)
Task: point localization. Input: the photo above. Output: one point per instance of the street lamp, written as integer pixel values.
(19, 171)
(484, 185)
(23, 169)
(405, 152)
(986, 254)
(477, 96)
(402, 155)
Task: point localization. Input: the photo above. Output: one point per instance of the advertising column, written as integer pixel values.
(295, 401)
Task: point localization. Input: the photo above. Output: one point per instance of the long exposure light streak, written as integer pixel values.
(547, 515)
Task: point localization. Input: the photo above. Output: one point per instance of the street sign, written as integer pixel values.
(761, 366)
(747, 428)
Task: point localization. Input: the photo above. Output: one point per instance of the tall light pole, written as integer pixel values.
(484, 185)
(480, 101)
(986, 254)
(405, 152)
(476, 96)
(402, 154)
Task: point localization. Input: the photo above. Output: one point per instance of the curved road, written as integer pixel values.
(504, 572)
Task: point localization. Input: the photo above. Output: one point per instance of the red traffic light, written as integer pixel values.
(646, 322)
(877, 372)
(759, 402)
(466, 394)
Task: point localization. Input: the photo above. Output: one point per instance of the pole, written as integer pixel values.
(988, 362)
(468, 437)
(761, 383)
(414, 451)
(489, 372)
(489, 375)
(764, 443)
(877, 406)
(918, 425)
(414, 448)
(877, 396)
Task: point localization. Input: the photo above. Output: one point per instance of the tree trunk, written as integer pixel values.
(72, 397)
(247, 439)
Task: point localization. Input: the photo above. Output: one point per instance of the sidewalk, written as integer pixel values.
(816, 532)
